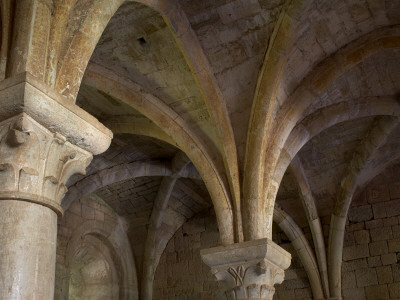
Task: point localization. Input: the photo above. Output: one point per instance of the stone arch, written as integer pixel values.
(177, 128)
(69, 79)
(105, 177)
(70, 74)
(329, 116)
(327, 72)
(113, 242)
(261, 117)
(313, 85)
(92, 273)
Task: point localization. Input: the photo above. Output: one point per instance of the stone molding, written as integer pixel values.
(248, 270)
(36, 163)
(26, 94)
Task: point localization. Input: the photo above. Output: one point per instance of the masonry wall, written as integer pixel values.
(371, 253)
(182, 275)
(80, 212)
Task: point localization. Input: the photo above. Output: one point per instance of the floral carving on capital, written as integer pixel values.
(36, 163)
(250, 280)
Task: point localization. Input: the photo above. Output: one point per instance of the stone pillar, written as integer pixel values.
(37, 157)
(28, 250)
(248, 270)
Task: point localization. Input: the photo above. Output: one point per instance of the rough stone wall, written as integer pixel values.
(181, 274)
(296, 284)
(370, 256)
(86, 209)
(372, 242)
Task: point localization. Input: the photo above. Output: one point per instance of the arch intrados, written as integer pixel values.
(328, 71)
(128, 279)
(209, 167)
(286, 156)
(339, 113)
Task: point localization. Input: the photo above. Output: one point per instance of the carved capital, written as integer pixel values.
(248, 270)
(35, 163)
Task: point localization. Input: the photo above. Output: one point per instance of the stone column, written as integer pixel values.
(248, 270)
(37, 157)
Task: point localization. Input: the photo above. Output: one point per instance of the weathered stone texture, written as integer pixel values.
(181, 273)
(377, 274)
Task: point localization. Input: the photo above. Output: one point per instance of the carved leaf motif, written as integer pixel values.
(7, 176)
(16, 138)
(238, 274)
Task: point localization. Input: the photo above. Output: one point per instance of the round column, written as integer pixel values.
(36, 161)
(28, 237)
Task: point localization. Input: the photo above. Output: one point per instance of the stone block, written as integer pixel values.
(303, 293)
(75, 208)
(394, 190)
(355, 227)
(194, 226)
(389, 259)
(374, 224)
(396, 231)
(349, 280)
(355, 252)
(285, 294)
(291, 274)
(354, 294)
(394, 290)
(194, 241)
(380, 234)
(209, 239)
(354, 264)
(394, 245)
(87, 212)
(377, 292)
(238, 9)
(360, 214)
(298, 283)
(374, 261)
(379, 210)
(393, 208)
(378, 193)
(378, 248)
(99, 215)
(396, 272)
(348, 239)
(384, 274)
(366, 277)
(72, 221)
(360, 200)
(390, 221)
(361, 236)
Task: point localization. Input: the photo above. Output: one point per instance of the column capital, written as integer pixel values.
(248, 270)
(26, 94)
(36, 163)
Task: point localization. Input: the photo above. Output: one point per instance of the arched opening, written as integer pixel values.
(92, 272)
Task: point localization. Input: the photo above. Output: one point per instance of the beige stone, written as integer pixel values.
(248, 277)
(287, 111)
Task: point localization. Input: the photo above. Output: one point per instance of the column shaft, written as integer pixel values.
(28, 236)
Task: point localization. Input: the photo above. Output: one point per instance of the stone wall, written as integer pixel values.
(370, 256)
(94, 260)
(372, 242)
(182, 275)
(296, 284)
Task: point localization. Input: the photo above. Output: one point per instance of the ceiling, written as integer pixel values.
(341, 79)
